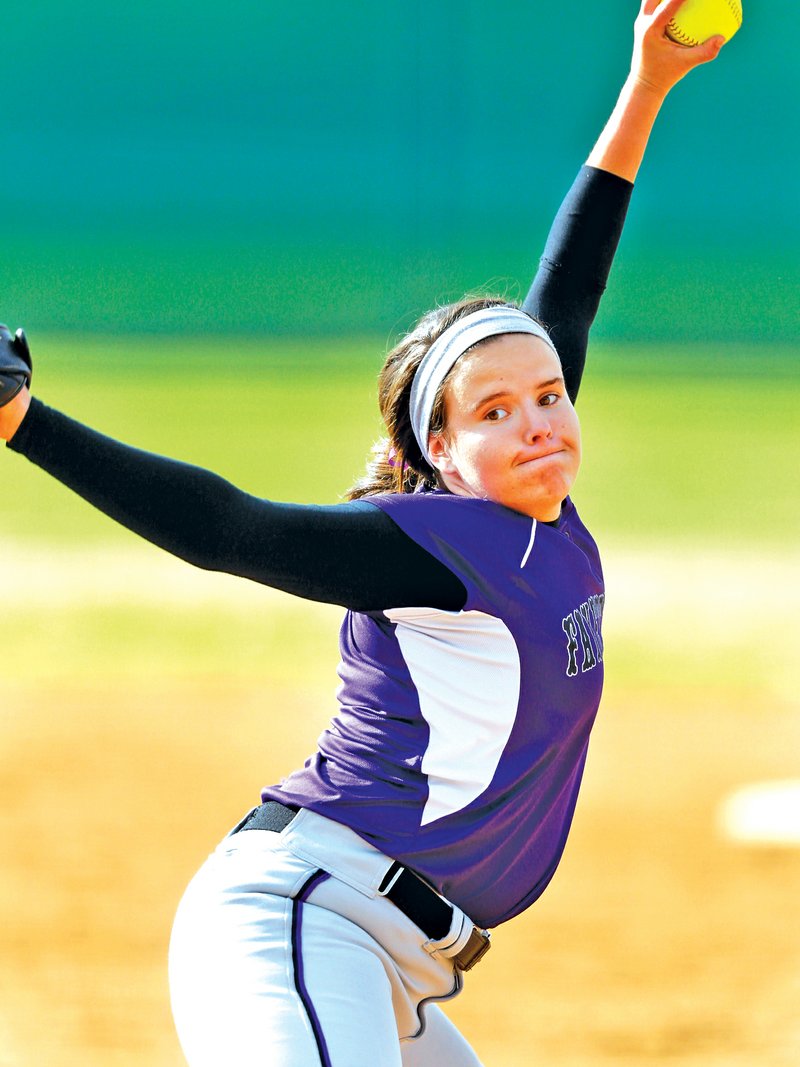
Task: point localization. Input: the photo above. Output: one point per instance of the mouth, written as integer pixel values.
(541, 457)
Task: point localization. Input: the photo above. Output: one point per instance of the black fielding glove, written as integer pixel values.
(16, 366)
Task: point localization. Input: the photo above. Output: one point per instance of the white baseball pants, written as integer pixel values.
(284, 954)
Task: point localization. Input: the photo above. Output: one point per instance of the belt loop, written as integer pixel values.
(390, 878)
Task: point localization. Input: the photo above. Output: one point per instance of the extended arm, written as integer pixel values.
(349, 554)
(580, 248)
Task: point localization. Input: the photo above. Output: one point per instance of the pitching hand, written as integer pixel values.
(657, 61)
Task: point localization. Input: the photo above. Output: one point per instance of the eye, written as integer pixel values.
(549, 399)
(496, 414)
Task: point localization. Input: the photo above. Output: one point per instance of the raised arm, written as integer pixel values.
(583, 239)
(657, 65)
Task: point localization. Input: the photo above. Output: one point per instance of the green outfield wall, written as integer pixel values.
(321, 168)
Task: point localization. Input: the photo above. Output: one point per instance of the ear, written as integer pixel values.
(439, 451)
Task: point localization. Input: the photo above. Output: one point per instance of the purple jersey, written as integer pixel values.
(461, 736)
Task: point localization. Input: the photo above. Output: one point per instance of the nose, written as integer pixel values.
(537, 425)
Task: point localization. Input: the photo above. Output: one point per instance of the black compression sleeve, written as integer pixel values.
(575, 266)
(350, 554)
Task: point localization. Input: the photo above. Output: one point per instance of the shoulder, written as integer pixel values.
(484, 544)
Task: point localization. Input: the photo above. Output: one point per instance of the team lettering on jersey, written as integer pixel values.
(584, 637)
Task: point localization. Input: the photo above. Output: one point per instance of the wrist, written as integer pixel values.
(13, 414)
(647, 86)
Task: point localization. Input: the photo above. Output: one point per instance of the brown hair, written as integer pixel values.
(396, 464)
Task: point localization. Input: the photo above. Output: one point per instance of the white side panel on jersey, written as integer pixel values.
(470, 710)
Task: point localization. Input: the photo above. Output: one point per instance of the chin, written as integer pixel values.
(549, 500)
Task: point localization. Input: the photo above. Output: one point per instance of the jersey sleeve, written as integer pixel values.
(349, 554)
(574, 268)
(485, 545)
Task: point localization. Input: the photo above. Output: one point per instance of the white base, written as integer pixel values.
(763, 814)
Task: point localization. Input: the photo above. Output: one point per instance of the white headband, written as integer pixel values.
(446, 349)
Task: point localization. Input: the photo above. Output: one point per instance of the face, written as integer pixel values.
(511, 433)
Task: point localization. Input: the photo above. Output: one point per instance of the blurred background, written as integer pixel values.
(325, 168)
(215, 221)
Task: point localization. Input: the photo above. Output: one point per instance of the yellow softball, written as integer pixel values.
(697, 20)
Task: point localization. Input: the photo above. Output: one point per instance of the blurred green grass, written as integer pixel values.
(684, 445)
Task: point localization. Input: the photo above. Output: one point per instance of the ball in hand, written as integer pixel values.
(697, 20)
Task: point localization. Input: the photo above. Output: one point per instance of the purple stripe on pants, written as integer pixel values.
(297, 960)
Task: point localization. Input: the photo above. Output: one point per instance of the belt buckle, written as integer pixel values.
(475, 949)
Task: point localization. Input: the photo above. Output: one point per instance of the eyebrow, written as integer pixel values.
(504, 392)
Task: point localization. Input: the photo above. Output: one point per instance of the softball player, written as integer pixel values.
(437, 805)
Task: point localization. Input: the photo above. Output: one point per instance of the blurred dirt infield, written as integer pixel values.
(124, 758)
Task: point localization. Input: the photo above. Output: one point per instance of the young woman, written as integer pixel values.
(357, 893)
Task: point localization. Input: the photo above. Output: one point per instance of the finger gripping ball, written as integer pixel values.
(697, 20)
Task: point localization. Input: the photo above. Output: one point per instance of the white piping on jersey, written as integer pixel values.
(530, 544)
(466, 670)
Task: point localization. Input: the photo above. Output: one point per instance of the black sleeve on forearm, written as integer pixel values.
(577, 259)
(351, 554)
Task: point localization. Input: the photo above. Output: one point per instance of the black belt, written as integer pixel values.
(406, 890)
